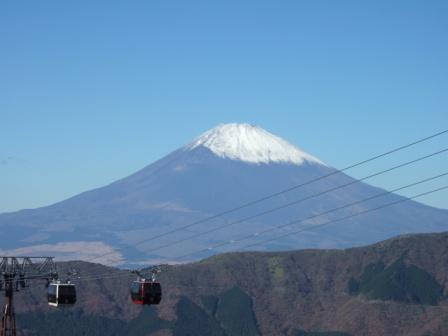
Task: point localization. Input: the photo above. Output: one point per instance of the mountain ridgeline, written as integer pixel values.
(224, 168)
(397, 287)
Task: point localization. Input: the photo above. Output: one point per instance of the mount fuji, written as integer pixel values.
(229, 165)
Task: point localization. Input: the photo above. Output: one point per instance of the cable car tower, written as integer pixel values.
(15, 274)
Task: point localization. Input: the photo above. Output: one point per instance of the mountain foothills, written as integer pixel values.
(396, 287)
(225, 167)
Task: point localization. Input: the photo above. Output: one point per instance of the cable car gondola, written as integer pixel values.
(146, 292)
(61, 294)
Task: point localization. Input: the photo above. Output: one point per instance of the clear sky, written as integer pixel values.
(91, 91)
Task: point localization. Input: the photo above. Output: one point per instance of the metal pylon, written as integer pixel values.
(8, 316)
(15, 272)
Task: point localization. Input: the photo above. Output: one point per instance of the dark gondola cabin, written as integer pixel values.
(146, 292)
(61, 294)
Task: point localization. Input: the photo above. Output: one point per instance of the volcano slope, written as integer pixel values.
(396, 287)
(222, 169)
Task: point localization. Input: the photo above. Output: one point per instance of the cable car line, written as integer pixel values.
(351, 216)
(299, 201)
(316, 215)
(270, 196)
(277, 227)
(106, 275)
(294, 202)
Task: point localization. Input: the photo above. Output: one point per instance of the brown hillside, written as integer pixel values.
(396, 287)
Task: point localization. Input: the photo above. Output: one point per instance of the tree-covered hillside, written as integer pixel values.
(397, 287)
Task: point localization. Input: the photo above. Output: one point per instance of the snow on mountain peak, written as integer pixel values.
(251, 144)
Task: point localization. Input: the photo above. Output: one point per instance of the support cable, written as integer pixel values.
(270, 196)
(312, 227)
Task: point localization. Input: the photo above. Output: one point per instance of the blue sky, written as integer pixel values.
(91, 91)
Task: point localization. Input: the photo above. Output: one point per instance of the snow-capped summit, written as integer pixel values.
(251, 144)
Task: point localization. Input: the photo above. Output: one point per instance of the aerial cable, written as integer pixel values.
(245, 219)
(294, 222)
(107, 275)
(311, 227)
(350, 216)
(262, 199)
(296, 202)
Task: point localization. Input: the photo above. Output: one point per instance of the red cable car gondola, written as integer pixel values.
(146, 292)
